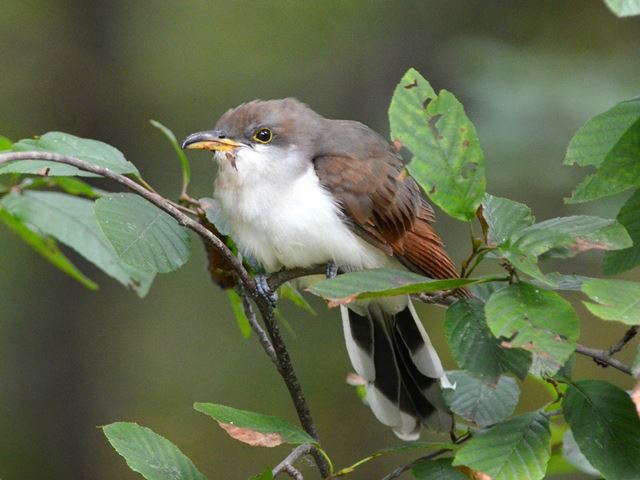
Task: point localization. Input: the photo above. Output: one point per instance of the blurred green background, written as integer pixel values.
(529, 73)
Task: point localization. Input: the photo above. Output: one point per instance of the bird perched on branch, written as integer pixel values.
(298, 190)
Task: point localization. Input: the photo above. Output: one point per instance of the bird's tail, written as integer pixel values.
(403, 373)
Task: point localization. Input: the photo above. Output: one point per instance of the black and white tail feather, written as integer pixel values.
(391, 351)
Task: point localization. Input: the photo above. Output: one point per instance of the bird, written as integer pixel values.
(298, 190)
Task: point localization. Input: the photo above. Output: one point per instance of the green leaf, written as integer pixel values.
(254, 428)
(574, 456)
(624, 8)
(294, 296)
(517, 449)
(475, 348)
(439, 469)
(143, 235)
(5, 143)
(384, 282)
(46, 247)
(92, 151)
(238, 313)
(567, 236)
(184, 161)
(481, 401)
(402, 448)
(609, 141)
(448, 162)
(537, 320)
(623, 260)
(266, 475)
(568, 283)
(149, 454)
(504, 218)
(71, 220)
(606, 427)
(617, 300)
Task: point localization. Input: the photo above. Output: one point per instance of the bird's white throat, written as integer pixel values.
(279, 213)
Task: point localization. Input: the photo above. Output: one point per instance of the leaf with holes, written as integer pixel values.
(143, 235)
(622, 260)
(611, 142)
(616, 300)
(439, 469)
(448, 162)
(481, 401)
(606, 427)
(504, 218)
(537, 320)
(91, 151)
(149, 454)
(517, 449)
(254, 428)
(475, 348)
(71, 221)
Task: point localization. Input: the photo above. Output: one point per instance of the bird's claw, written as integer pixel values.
(265, 290)
(332, 269)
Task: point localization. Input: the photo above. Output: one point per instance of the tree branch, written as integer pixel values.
(283, 364)
(297, 453)
(619, 345)
(602, 358)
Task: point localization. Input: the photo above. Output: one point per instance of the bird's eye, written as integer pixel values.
(263, 135)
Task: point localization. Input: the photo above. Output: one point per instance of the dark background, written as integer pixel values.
(529, 73)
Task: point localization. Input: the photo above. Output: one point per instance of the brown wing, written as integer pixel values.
(387, 209)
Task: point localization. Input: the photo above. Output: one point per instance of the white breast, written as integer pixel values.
(288, 222)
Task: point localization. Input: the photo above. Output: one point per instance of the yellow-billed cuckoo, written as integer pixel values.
(298, 190)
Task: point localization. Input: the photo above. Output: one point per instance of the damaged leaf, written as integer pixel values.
(448, 162)
(254, 428)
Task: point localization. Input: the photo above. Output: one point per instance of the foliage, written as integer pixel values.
(519, 323)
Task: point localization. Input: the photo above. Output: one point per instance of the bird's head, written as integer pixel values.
(263, 138)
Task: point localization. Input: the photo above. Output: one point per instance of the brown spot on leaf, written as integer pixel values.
(43, 172)
(397, 144)
(474, 474)
(251, 437)
(411, 85)
(463, 129)
(465, 144)
(336, 302)
(583, 244)
(483, 224)
(426, 102)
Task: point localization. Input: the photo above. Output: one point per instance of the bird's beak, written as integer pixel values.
(212, 140)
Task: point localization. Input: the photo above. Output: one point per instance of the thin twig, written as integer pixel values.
(619, 345)
(256, 327)
(297, 453)
(602, 358)
(285, 367)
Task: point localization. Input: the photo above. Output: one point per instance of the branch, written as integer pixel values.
(287, 464)
(619, 345)
(602, 358)
(283, 364)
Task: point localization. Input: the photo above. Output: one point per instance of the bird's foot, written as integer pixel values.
(332, 269)
(265, 290)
